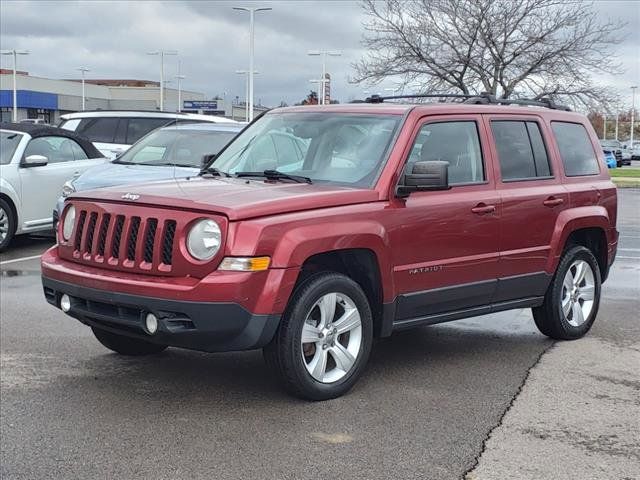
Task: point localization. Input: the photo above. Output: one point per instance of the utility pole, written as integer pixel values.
(179, 78)
(83, 70)
(15, 54)
(633, 111)
(161, 54)
(323, 54)
(252, 12)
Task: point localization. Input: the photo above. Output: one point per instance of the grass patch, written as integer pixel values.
(625, 172)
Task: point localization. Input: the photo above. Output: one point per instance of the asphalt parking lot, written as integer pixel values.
(424, 409)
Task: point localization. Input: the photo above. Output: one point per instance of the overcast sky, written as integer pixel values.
(112, 38)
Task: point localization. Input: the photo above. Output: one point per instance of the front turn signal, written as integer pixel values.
(245, 264)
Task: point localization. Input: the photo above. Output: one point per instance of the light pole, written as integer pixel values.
(633, 111)
(252, 12)
(323, 54)
(179, 78)
(83, 70)
(246, 92)
(617, 119)
(604, 127)
(320, 82)
(15, 54)
(161, 54)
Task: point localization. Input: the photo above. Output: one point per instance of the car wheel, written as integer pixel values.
(324, 338)
(573, 297)
(7, 224)
(126, 345)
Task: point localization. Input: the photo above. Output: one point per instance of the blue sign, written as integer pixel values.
(29, 99)
(200, 104)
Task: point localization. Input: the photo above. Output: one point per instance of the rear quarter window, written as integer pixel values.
(576, 151)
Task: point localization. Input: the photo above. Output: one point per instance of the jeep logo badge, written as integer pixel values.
(130, 196)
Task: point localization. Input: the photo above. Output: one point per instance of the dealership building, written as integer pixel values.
(47, 98)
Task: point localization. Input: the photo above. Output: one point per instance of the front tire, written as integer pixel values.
(7, 225)
(324, 338)
(126, 345)
(573, 297)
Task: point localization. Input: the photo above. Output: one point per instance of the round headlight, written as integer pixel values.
(204, 239)
(69, 220)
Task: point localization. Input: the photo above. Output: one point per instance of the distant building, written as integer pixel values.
(49, 98)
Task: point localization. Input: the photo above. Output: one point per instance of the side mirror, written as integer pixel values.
(425, 176)
(34, 161)
(206, 159)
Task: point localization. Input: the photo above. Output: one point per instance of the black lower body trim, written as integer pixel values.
(204, 326)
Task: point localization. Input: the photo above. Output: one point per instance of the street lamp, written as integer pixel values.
(83, 70)
(161, 54)
(633, 111)
(15, 53)
(246, 91)
(179, 78)
(323, 54)
(252, 12)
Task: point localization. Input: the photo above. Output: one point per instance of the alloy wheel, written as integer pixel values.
(4, 225)
(331, 337)
(578, 291)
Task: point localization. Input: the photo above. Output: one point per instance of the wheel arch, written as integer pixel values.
(586, 226)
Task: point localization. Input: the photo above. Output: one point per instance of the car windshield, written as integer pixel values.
(176, 147)
(326, 147)
(8, 143)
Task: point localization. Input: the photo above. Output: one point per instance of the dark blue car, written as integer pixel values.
(169, 152)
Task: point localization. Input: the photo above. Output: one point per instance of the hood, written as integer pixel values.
(234, 197)
(110, 174)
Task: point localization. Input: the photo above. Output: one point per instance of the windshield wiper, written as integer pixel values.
(275, 175)
(215, 172)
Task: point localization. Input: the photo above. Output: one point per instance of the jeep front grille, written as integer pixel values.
(133, 241)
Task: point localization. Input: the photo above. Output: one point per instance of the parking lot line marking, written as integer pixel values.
(23, 259)
(628, 258)
(629, 249)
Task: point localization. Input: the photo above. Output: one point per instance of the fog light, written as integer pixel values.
(65, 303)
(151, 323)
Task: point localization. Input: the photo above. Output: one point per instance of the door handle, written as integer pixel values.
(483, 209)
(553, 202)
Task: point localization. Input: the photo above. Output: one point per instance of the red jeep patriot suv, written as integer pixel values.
(319, 228)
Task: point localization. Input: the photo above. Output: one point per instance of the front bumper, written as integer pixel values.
(204, 326)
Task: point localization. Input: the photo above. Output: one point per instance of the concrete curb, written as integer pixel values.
(626, 182)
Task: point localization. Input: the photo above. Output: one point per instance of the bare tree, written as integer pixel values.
(527, 48)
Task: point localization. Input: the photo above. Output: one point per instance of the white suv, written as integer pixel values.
(113, 132)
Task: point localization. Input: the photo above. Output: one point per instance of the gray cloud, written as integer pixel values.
(112, 39)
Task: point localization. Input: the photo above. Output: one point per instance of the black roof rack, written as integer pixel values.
(482, 99)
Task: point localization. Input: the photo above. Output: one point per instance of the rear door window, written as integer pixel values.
(139, 127)
(576, 151)
(521, 151)
(101, 130)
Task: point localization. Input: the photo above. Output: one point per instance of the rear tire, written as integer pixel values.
(324, 338)
(126, 345)
(7, 224)
(573, 297)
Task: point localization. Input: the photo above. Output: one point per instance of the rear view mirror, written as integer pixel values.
(425, 176)
(34, 161)
(206, 159)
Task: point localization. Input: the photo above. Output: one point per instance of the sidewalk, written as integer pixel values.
(577, 417)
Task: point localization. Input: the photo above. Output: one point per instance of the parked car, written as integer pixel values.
(175, 151)
(634, 150)
(35, 161)
(113, 132)
(615, 147)
(610, 159)
(498, 211)
(36, 121)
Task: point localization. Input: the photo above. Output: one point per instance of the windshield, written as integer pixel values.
(177, 146)
(329, 147)
(8, 143)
